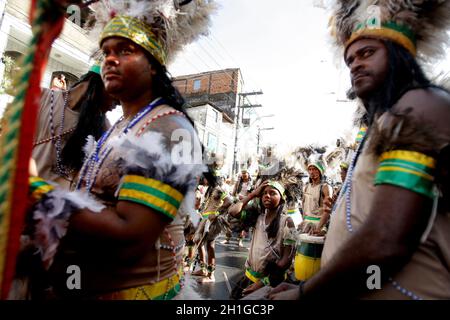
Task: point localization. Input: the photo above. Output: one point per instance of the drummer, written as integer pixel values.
(315, 192)
(273, 243)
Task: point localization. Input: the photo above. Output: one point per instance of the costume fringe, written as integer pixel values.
(400, 131)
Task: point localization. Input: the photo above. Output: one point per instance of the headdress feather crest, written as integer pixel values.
(171, 23)
(422, 22)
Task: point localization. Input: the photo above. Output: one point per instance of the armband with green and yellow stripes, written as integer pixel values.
(38, 188)
(151, 193)
(407, 169)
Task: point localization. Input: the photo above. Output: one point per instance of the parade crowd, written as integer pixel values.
(121, 202)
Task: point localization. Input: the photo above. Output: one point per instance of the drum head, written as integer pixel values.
(304, 237)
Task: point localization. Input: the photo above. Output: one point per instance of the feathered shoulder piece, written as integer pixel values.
(162, 27)
(291, 179)
(418, 25)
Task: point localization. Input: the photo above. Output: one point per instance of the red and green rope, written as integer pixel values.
(47, 20)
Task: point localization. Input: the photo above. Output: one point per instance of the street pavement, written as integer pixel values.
(230, 259)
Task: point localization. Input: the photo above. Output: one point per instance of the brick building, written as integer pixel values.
(219, 88)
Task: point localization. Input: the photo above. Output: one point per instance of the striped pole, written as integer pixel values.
(17, 136)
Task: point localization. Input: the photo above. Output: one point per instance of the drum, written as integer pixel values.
(307, 258)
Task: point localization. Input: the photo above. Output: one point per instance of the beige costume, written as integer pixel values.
(427, 274)
(158, 263)
(44, 149)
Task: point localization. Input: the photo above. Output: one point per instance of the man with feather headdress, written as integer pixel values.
(123, 226)
(394, 209)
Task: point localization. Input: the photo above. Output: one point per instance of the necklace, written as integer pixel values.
(346, 192)
(57, 138)
(94, 161)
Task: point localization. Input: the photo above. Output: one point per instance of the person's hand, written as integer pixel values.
(32, 168)
(307, 227)
(315, 231)
(257, 192)
(252, 288)
(283, 289)
(328, 203)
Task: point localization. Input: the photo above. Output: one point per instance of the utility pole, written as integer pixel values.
(259, 135)
(238, 122)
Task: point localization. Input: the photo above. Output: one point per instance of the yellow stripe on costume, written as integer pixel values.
(149, 200)
(416, 173)
(39, 192)
(411, 156)
(155, 184)
(251, 276)
(208, 213)
(39, 187)
(163, 290)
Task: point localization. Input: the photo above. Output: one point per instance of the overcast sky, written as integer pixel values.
(282, 48)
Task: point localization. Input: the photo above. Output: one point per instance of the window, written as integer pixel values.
(212, 142)
(197, 84)
(215, 116)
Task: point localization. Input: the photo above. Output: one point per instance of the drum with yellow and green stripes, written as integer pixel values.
(307, 258)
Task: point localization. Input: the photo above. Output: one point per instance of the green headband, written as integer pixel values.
(319, 167)
(389, 30)
(95, 68)
(278, 186)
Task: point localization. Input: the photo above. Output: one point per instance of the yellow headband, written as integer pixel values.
(136, 31)
(390, 31)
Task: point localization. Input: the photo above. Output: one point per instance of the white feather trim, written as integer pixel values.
(148, 155)
(51, 217)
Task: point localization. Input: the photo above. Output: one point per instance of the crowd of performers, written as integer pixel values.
(117, 202)
(271, 209)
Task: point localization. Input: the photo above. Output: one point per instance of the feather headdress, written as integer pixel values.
(418, 25)
(162, 27)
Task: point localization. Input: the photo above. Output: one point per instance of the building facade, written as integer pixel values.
(219, 88)
(215, 130)
(70, 54)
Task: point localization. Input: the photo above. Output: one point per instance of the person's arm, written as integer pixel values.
(325, 214)
(388, 239)
(130, 229)
(397, 219)
(236, 209)
(287, 249)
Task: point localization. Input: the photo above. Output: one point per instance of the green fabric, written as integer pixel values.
(171, 294)
(148, 204)
(265, 281)
(313, 250)
(406, 180)
(405, 164)
(151, 191)
(95, 68)
(319, 166)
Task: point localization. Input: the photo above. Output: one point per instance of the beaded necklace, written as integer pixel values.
(346, 192)
(57, 138)
(94, 161)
